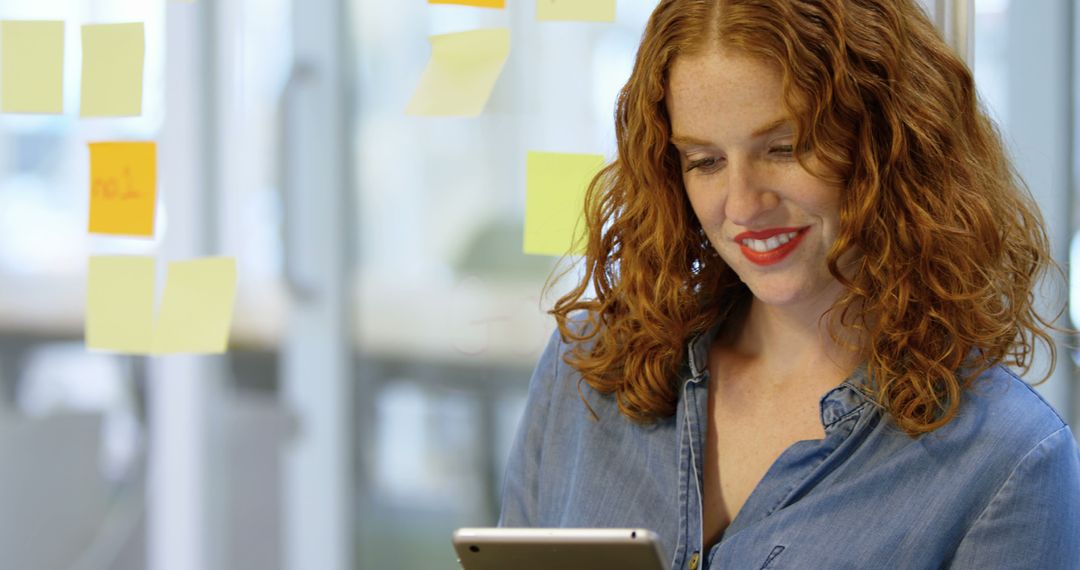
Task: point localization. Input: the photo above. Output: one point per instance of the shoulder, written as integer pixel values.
(1028, 464)
(1001, 419)
(1004, 451)
(552, 370)
(556, 385)
(1004, 406)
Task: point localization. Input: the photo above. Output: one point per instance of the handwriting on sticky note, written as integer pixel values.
(579, 10)
(31, 67)
(112, 70)
(196, 306)
(120, 303)
(461, 74)
(120, 187)
(123, 188)
(477, 3)
(554, 200)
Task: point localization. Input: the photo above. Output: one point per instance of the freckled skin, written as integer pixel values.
(742, 182)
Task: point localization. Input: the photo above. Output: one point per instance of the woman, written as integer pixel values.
(808, 268)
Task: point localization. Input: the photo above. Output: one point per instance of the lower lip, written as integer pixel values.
(772, 256)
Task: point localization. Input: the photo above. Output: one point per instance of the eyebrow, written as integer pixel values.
(769, 128)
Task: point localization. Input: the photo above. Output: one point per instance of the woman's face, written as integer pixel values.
(770, 219)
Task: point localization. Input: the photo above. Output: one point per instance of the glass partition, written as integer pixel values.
(450, 318)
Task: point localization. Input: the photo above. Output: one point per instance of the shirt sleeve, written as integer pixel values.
(1034, 519)
(521, 485)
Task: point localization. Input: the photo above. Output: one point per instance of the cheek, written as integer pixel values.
(824, 196)
(708, 206)
(820, 201)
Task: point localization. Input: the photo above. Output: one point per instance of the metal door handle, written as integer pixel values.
(300, 73)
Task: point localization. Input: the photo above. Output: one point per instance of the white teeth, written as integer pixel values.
(772, 243)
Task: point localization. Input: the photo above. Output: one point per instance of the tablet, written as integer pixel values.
(560, 548)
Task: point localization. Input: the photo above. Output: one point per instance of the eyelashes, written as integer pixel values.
(704, 164)
(712, 163)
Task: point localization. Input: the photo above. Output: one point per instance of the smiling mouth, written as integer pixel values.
(771, 250)
(764, 245)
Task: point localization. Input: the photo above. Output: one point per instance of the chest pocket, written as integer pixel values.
(772, 557)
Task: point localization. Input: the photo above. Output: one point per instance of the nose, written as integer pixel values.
(749, 194)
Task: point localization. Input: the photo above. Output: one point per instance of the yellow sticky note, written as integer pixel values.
(477, 3)
(196, 306)
(112, 72)
(577, 10)
(32, 67)
(461, 73)
(555, 200)
(120, 303)
(123, 188)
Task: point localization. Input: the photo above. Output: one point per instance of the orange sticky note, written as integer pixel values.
(477, 3)
(123, 188)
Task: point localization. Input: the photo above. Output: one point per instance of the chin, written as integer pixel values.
(791, 290)
(776, 298)
(779, 289)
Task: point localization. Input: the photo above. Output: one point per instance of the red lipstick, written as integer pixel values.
(773, 255)
(766, 234)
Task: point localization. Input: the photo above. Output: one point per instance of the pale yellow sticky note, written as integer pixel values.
(112, 72)
(576, 10)
(461, 73)
(123, 188)
(477, 3)
(120, 303)
(555, 200)
(32, 67)
(196, 306)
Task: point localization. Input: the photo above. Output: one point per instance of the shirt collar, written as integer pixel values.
(844, 398)
(697, 352)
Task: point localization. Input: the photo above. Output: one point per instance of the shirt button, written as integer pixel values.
(694, 559)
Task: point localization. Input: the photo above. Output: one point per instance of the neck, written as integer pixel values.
(790, 338)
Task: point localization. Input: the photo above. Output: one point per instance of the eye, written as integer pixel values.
(783, 150)
(707, 164)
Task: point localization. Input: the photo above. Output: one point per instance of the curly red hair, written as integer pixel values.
(951, 241)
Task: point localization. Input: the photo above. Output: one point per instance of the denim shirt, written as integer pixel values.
(997, 487)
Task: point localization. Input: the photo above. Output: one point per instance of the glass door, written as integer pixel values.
(449, 318)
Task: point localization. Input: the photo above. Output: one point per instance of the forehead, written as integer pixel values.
(725, 90)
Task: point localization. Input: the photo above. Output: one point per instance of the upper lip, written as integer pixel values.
(766, 234)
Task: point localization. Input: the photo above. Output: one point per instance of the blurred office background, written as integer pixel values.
(387, 321)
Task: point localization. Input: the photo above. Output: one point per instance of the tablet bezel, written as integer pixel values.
(503, 543)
